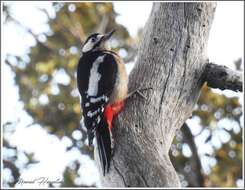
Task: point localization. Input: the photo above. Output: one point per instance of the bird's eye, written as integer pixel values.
(93, 39)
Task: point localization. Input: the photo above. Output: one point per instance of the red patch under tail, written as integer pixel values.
(111, 111)
(108, 115)
(117, 107)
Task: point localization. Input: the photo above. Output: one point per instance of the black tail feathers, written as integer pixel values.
(97, 127)
(103, 138)
(90, 137)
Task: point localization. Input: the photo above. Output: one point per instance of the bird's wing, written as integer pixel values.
(94, 105)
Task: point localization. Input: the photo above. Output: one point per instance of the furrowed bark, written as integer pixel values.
(171, 60)
(219, 76)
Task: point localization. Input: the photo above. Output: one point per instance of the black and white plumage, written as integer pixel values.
(102, 81)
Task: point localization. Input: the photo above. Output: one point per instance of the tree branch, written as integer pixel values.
(14, 170)
(219, 76)
(197, 167)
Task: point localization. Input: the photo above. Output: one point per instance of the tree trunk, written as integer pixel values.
(171, 60)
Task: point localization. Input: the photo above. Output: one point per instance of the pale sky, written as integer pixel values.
(225, 46)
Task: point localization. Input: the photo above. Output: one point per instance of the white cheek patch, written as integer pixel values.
(94, 77)
(88, 46)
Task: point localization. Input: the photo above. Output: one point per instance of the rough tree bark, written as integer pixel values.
(171, 60)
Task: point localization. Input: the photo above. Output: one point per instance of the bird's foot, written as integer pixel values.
(138, 91)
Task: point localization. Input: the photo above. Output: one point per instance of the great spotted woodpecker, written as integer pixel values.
(103, 85)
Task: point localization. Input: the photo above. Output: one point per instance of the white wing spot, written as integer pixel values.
(98, 119)
(91, 114)
(94, 100)
(94, 77)
(87, 104)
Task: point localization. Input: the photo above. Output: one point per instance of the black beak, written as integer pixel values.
(108, 35)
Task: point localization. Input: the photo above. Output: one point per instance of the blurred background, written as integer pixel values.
(41, 116)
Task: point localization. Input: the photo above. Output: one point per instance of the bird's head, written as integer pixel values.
(96, 41)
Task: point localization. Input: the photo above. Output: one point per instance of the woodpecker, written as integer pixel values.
(103, 86)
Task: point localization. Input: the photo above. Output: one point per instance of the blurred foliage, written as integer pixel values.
(47, 87)
(220, 118)
(14, 160)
